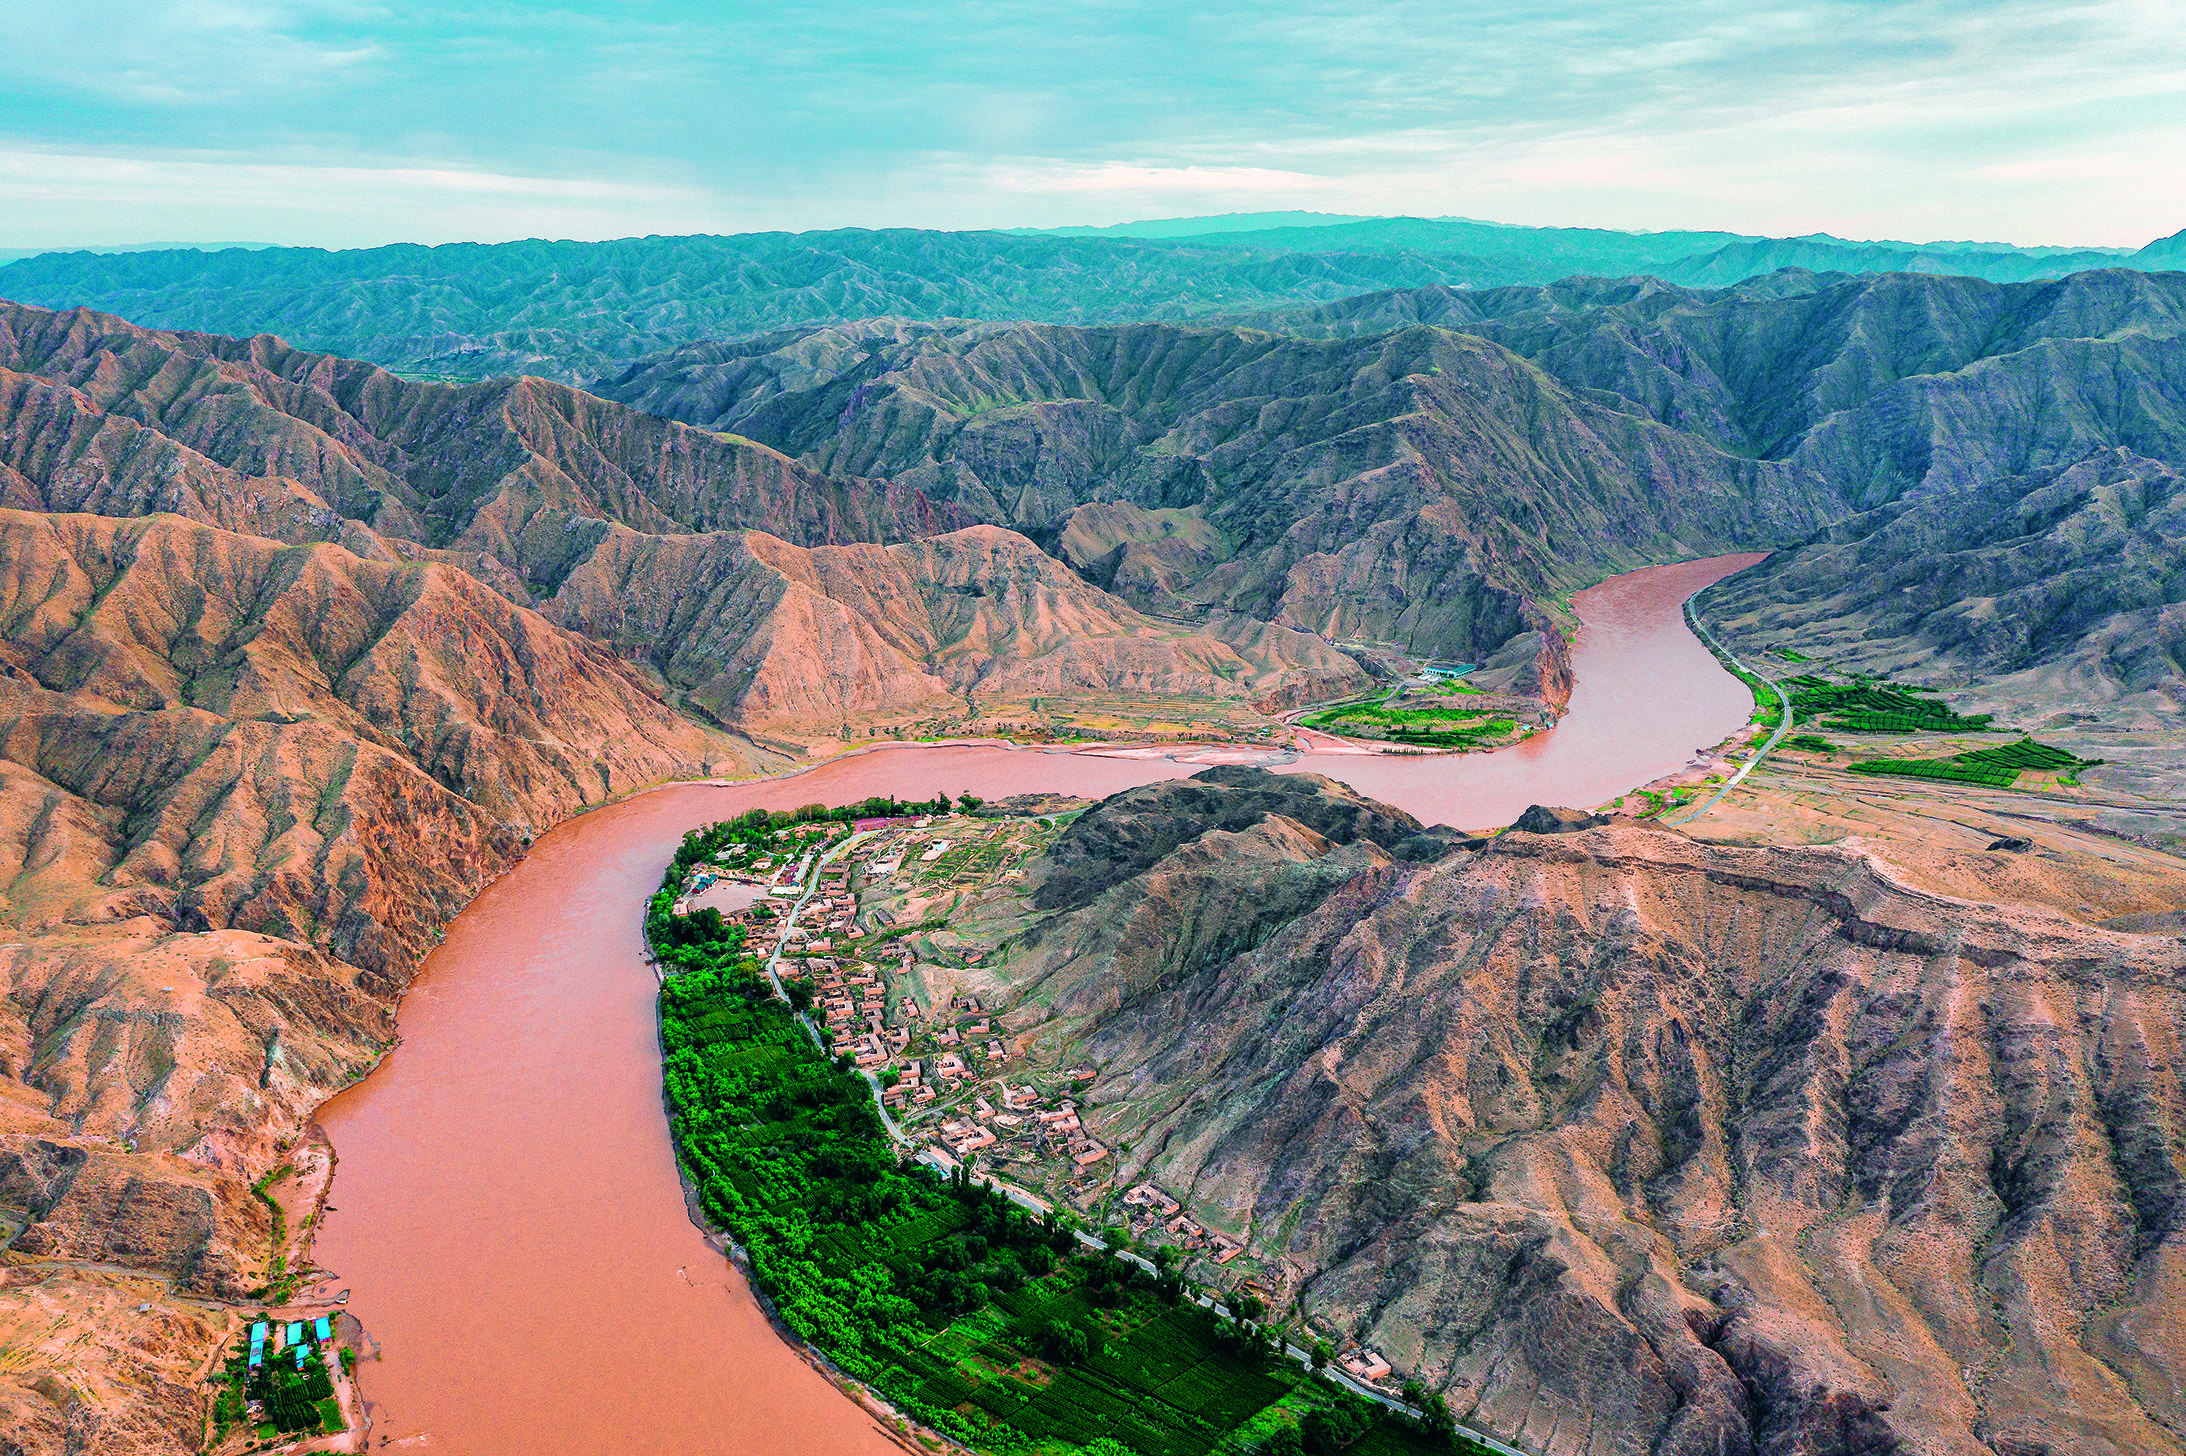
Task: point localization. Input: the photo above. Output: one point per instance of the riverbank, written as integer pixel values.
(507, 1165)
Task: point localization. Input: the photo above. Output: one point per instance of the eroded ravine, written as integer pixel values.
(507, 1211)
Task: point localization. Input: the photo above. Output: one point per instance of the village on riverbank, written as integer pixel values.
(862, 925)
(909, 1181)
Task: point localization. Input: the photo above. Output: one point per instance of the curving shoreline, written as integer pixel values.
(507, 1167)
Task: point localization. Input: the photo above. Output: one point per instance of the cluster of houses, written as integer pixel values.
(1024, 1128)
(1152, 1209)
(924, 1057)
(949, 1072)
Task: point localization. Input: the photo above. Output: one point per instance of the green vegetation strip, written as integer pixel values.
(1997, 768)
(1425, 727)
(969, 1314)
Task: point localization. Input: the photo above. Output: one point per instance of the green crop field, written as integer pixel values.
(972, 1316)
(1436, 727)
(1997, 768)
(1876, 707)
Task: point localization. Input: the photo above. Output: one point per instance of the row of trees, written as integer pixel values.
(757, 826)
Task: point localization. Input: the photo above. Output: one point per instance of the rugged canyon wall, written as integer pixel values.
(649, 535)
(2010, 454)
(1424, 487)
(242, 787)
(1633, 1144)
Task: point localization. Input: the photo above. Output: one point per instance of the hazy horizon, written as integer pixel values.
(1115, 229)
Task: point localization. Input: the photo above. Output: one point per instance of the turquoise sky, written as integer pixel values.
(354, 123)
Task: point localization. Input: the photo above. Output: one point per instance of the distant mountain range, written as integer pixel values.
(576, 311)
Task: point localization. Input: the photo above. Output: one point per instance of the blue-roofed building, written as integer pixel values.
(296, 1332)
(324, 1329)
(258, 1334)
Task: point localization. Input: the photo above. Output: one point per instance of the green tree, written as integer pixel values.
(1335, 1427)
(1065, 1343)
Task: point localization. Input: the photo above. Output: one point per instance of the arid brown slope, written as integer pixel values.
(2014, 450)
(242, 787)
(1422, 487)
(782, 638)
(103, 415)
(521, 483)
(1634, 1144)
(2051, 597)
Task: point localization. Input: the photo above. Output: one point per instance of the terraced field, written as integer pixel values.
(1876, 707)
(1998, 768)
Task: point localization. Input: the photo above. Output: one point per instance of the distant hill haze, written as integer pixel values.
(574, 311)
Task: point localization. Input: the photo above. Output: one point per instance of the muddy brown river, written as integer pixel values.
(507, 1212)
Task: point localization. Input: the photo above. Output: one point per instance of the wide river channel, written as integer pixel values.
(507, 1213)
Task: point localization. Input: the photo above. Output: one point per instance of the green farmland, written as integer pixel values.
(1875, 707)
(1428, 727)
(1996, 768)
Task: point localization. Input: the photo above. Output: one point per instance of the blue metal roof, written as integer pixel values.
(296, 1332)
(326, 1331)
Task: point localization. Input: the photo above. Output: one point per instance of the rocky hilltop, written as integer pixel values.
(1630, 1143)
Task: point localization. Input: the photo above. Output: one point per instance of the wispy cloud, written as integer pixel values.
(1929, 117)
(1124, 179)
(186, 53)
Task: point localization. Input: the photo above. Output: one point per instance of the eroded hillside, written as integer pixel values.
(672, 544)
(1956, 470)
(243, 786)
(1423, 488)
(1631, 1143)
